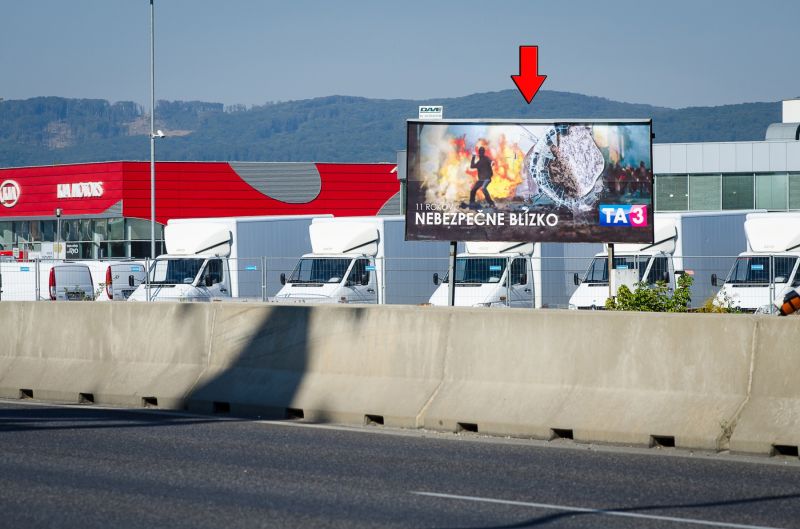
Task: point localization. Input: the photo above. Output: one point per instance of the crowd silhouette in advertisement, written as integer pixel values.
(628, 180)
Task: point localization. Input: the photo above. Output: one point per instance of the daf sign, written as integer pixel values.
(431, 112)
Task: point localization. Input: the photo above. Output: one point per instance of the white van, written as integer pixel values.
(33, 281)
(70, 282)
(121, 280)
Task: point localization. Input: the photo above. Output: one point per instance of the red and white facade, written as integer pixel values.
(104, 195)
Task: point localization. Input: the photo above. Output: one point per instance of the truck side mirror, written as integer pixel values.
(714, 280)
(576, 279)
(283, 278)
(523, 279)
(436, 278)
(209, 281)
(665, 277)
(130, 281)
(365, 279)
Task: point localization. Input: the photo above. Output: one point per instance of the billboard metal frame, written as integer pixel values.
(411, 151)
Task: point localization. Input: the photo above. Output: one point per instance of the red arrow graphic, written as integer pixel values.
(528, 81)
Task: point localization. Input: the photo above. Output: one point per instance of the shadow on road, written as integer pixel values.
(43, 418)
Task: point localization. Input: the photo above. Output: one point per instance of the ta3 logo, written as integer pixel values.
(634, 215)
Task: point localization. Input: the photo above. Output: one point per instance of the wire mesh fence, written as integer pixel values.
(750, 283)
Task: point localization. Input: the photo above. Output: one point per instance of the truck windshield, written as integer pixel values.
(320, 270)
(479, 269)
(175, 271)
(755, 270)
(598, 270)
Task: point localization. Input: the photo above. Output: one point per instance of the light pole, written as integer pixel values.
(152, 137)
(58, 234)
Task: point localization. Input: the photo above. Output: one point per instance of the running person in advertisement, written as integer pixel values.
(484, 167)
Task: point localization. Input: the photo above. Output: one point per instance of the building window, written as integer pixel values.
(7, 234)
(109, 250)
(49, 230)
(141, 249)
(100, 230)
(139, 230)
(22, 232)
(705, 192)
(672, 193)
(794, 191)
(70, 230)
(116, 229)
(737, 191)
(771, 191)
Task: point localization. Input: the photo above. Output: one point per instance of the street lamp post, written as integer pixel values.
(58, 234)
(152, 136)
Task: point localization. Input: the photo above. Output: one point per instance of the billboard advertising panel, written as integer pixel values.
(558, 181)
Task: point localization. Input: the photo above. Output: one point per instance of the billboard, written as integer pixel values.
(560, 181)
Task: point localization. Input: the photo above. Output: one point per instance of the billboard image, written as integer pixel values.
(587, 181)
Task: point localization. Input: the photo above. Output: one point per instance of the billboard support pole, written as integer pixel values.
(611, 271)
(508, 282)
(451, 273)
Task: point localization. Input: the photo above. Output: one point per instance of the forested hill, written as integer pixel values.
(54, 130)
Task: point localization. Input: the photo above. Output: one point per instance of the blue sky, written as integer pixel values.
(672, 53)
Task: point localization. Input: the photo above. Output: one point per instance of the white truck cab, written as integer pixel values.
(342, 267)
(700, 244)
(194, 267)
(490, 274)
(652, 261)
(769, 269)
(362, 260)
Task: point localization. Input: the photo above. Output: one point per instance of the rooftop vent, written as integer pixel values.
(791, 110)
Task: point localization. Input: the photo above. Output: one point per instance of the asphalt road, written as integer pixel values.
(87, 467)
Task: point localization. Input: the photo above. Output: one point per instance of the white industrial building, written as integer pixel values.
(732, 175)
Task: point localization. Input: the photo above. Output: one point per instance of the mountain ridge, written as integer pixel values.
(336, 128)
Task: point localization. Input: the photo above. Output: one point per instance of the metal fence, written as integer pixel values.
(753, 283)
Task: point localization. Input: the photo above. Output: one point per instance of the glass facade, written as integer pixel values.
(738, 191)
(671, 192)
(86, 238)
(714, 192)
(705, 192)
(771, 191)
(794, 191)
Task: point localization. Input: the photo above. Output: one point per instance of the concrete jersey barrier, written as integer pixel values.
(614, 377)
(692, 380)
(770, 420)
(112, 353)
(344, 364)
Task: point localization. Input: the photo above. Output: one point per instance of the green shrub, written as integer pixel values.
(653, 298)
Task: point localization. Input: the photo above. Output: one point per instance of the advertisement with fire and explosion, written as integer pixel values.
(587, 181)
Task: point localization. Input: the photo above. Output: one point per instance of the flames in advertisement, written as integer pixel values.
(450, 182)
(540, 181)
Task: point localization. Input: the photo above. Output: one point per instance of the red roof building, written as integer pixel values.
(105, 207)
